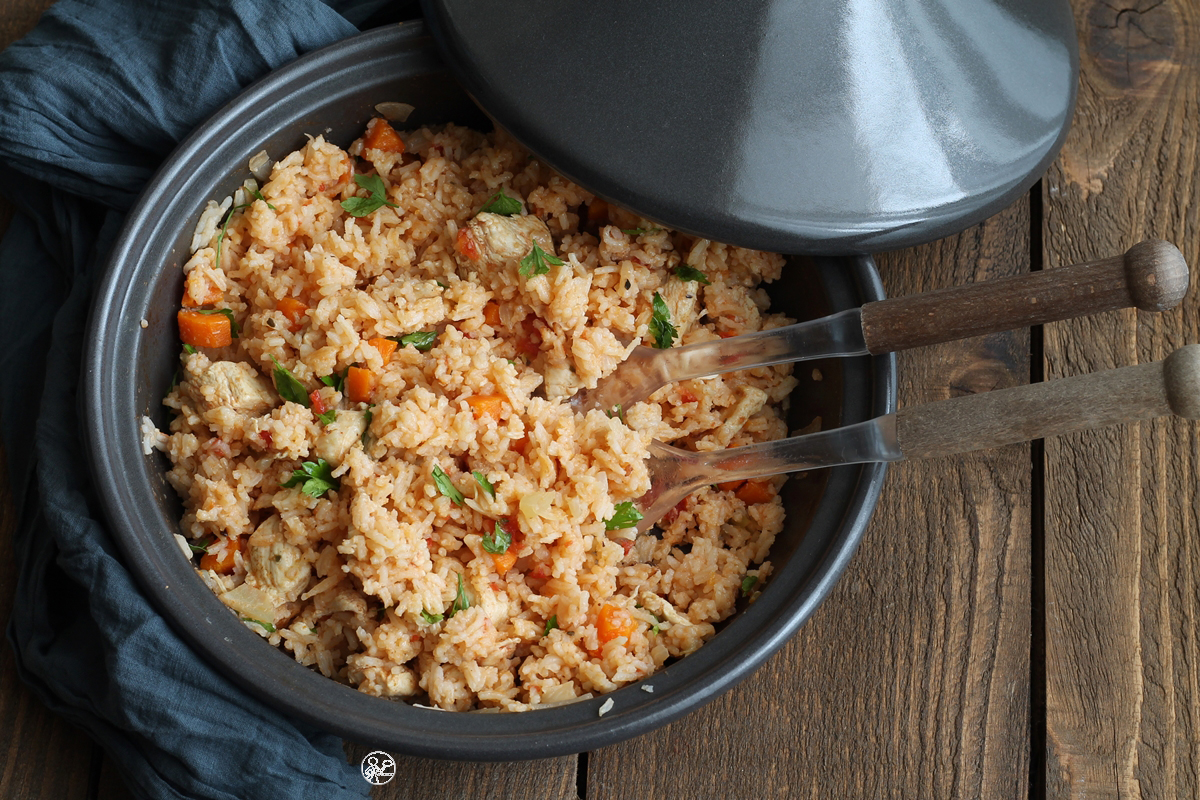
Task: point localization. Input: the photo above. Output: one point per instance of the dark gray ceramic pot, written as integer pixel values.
(129, 368)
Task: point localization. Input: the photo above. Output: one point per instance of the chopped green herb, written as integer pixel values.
(422, 340)
(661, 329)
(338, 382)
(639, 231)
(482, 480)
(461, 601)
(189, 349)
(368, 415)
(328, 417)
(266, 626)
(174, 381)
(500, 203)
(430, 619)
(202, 547)
(616, 411)
(498, 541)
(624, 516)
(446, 486)
(361, 206)
(686, 272)
(224, 228)
(538, 262)
(258, 196)
(288, 386)
(313, 479)
(748, 584)
(234, 328)
(551, 624)
(439, 283)
(655, 628)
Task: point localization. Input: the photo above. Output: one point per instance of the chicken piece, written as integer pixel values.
(340, 435)
(275, 565)
(682, 299)
(230, 384)
(494, 240)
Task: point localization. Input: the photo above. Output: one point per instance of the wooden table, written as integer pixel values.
(1019, 623)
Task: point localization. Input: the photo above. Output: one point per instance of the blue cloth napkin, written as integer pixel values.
(91, 102)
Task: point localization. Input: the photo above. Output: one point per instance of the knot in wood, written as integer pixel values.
(1132, 42)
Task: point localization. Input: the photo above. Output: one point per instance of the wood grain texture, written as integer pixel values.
(429, 779)
(1152, 275)
(1122, 560)
(912, 679)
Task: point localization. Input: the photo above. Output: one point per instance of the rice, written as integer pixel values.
(428, 523)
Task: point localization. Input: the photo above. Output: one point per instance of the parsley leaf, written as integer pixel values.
(422, 340)
(461, 601)
(228, 312)
(538, 262)
(288, 386)
(502, 204)
(313, 479)
(258, 196)
(551, 624)
(446, 486)
(430, 619)
(361, 206)
(482, 480)
(624, 516)
(266, 626)
(639, 231)
(661, 329)
(686, 272)
(338, 382)
(498, 541)
(189, 349)
(328, 417)
(202, 547)
(748, 584)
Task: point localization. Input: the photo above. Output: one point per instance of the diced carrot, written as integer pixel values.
(491, 313)
(687, 396)
(519, 445)
(317, 402)
(222, 562)
(467, 245)
(382, 136)
(504, 561)
(360, 382)
(753, 492)
(626, 545)
(730, 486)
(385, 347)
(293, 308)
(726, 334)
(597, 212)
(612, 622)
(204, 330)
(679, 508)
(200, 291)
(490, 404)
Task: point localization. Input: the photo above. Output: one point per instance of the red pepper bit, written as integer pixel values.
(318, 405)
(467, 245)
(626, 545)
(266, 437)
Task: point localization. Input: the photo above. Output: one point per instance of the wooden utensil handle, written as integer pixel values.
(993, 419)
(1151, 275)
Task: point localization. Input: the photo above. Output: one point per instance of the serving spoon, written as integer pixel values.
(946, 427)
(1152, 275)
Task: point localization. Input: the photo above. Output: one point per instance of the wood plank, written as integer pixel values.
(912, 679)
(430, 779)
(1122, 564)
